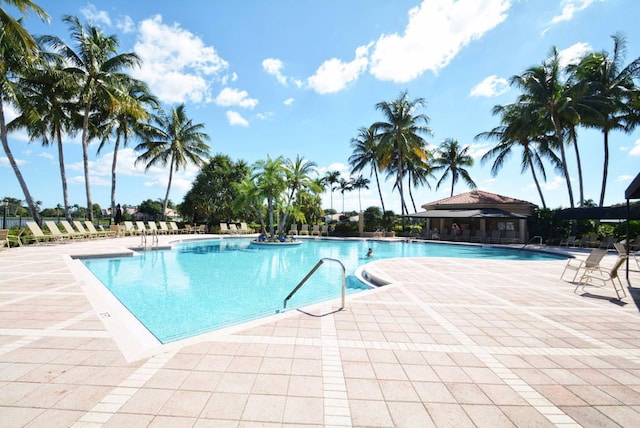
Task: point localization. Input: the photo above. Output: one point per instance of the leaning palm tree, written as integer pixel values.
(518, 130)
(298, 176)
(365, 152)
(172, 138)
(18, 50)
(611, 85)
(133, 107)
(452, 159)
(97, 67)
(401, 136)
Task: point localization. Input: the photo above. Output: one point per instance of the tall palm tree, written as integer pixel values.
(45, 100)
(271, 181)
(400, 136)
(132, 108)
(365, 152)
(298, 176)
(332, 178)
(418, 171)
(345, 186)
(545, 93)
(360, 183)
(611, 84)
(452, 160)
(95, 64)
(519, 130)
(17, 50)
(172, 138)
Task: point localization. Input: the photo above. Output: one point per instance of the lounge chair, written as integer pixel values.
(569, 241)
(315, 230)
(577, 265)
(324, 230)
(71, 231)
(130, 228)
(141, 227)
(53, 228)
(173, 227)
(621, 248)
(607, 242)
(244, 228)
(294, 229)
(153, 228)
(4, 238)
(37, 235)
(605, 275)
(80, 227)
(304, 229)
(224, 228)
(99, 233)
(233, 229)
(201, 229)
(163, 228)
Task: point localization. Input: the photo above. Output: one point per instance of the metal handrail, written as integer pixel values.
(312, 271)
(537, 237)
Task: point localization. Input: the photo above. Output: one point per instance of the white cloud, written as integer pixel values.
(491, 86)
(436, 32)
(273, 66)
(95, 16)
(570, 7)
(4, 162)
(635, 150)
(126, 25)
(625, 178)
(234, 118)
(334, 75)
(574, 53)
(288, 101)
(176, 64)
(234, 97)
(46, 155)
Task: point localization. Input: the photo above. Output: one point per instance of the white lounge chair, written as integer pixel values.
(141, 227)
(569, 241)
(99, 233)
(71, 231)
(37, 235)
(294, 229)
(233, 229)
(163, 228)
(577, 265)
(315, 230)
(304, 229)
(4, 238)
(53, 228)
(130, 228)
(324, 230)
(224, 228)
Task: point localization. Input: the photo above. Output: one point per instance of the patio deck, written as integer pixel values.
(450, 342)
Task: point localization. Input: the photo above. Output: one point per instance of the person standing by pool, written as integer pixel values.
(454, 231)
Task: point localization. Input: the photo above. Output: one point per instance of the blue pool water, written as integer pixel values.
(205, 285)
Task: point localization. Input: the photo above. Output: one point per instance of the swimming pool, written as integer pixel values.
(201, 286)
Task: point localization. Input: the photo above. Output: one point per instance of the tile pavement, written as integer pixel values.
(448, 342)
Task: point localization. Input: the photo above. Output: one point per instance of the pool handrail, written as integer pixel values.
(312, 271)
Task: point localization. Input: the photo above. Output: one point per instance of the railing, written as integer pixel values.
(537, 237)
(315, 268)
(154, 239)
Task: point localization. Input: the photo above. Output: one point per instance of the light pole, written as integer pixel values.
(4, 214)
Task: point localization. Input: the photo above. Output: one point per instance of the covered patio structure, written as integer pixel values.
(482, 216)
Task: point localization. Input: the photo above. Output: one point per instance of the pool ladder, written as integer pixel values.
(312, 271)
(154, 240)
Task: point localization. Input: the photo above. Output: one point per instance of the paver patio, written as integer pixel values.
(450, 342)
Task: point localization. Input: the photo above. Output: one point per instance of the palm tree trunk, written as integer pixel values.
(375, 171)
(579, 166)
(563, 156)
(413, 202)
(85, 159)
(14, 165)
(166, 196)
(113, 175)
(63, 177)
(535, 180)
(285, 215)
(605, 166)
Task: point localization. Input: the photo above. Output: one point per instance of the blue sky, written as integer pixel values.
(300, 77)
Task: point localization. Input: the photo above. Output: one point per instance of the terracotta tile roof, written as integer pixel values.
(476, 198)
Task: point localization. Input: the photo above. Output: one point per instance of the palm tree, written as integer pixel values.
(17, 50)
(610, 84)
(519, 130)
(271, 180)
(44, 98)
(365, 152)
(545, 94)
(452, 160)
(332, 177)
(418, 170)
(298, 176)
(400, 136)
(97, 67)
(345, 186)
(360, 183)
(172, 138)
(122, 122)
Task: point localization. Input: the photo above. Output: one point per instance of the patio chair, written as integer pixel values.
(577, 265)
(294, 229)
(37, 235)
(315, 230)
(163, 228)
(4, 238)
(304, 229)
(141, 227)
(621, 248)
(71, 231)
(244, 228)
(173, 227)
(53, 228)
(607, 242)
(324, 230)
(569, 241)
(224, 228)
(153, 228)
(605, 275)
(233, 229)
(99, 233)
